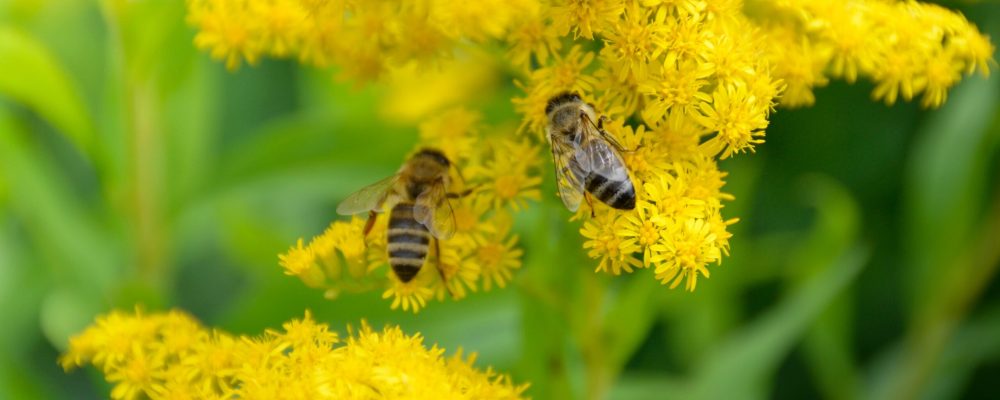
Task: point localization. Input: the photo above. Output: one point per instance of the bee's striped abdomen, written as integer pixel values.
(406, 242)
(617, 194)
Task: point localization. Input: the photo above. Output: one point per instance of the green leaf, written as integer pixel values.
(66, 312)
(30, 74)
(646, 387)
(974, 343)
(746, 362)
(827, 346)
(630, 319)
(69, 242)
(947, 182)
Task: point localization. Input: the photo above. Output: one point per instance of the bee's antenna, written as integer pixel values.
(459, 173)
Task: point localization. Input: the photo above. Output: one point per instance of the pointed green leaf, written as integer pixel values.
(30, 74)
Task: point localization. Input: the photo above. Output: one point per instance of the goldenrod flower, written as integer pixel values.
(584, 17)
(906, 47)
(530, 39)
(304, 360)
(685, 84)
(685, 252)
(607, 243)
(496, 256)
(510, 176)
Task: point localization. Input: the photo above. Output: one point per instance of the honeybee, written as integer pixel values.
(586, 156)
(419, 210)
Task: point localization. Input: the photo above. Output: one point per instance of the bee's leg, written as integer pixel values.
(600, 122)
(463, 193)
(444, 279)
(370, 223)
(590, 202)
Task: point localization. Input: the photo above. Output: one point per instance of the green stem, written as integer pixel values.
(929, 336)
(592, 331)
(144, 176)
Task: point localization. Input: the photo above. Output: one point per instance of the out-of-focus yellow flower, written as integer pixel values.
(905, 47)
(415, 93)
(171, 356)
(364, 38)
(510, 176)
(584, 17)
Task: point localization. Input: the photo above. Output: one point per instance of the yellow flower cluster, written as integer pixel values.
(691, 73)
(905, 47)
(171, 356)
(363, 38)
(502, 174)
(685, 82)
(698, 80)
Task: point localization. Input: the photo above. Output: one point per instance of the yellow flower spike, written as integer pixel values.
(568, 72)
(412, 295)
(304, 360)
(942, 73)
(509, 176)
(605, 244)
(416, 92)
(223, 31)
(138, 375)
(497, 256)
(529, 40)
(699, 79)
(634, 41)
(734, 114)
(685, 252)
(301, 262)
(678, 136)
(668, 194)
(704, 181)
(532, 105)
(977, 50)
(642, 229)
(907, 48)
(214, 362)
(470, 217)
(479, 20)
(720, 228)
(454, 132)
(584, 17)
(352, 246)
(281, 24)
(676, 87)
(324, 249)
(458, 275)
(645, 156)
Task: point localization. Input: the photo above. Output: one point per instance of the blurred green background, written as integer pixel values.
(135, 170)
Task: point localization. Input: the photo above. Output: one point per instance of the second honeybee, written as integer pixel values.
(585, 155)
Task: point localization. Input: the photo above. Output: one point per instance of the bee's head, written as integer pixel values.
(435, 155)
(560, 99)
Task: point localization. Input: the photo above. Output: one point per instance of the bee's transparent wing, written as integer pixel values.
(571, 170)
(369, 198)
(434, 211)
(603, 157)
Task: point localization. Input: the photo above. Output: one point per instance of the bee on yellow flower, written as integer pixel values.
(682, 84)
(453, 232)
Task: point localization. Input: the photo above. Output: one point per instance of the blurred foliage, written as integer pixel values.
(135, 170)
